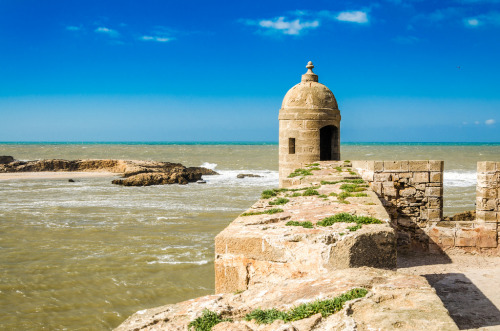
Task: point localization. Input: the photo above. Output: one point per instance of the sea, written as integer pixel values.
(88, 254)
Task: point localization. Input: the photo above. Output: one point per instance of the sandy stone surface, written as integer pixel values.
(394, 301)
(467, 284)
(54, 175)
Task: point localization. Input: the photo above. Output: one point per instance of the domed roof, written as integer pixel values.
(309, 93)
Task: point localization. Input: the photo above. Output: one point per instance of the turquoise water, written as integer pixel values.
(86, 255)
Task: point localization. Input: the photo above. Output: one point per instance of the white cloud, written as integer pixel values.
(472, 22)
(156, 38)
(109, 32)
(490, 122)
(476, 122)
(491, 18)
(281, 25)
(356, 16)
(73, 28)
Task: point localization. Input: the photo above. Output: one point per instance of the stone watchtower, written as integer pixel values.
(309, 125)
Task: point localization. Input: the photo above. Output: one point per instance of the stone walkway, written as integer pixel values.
(467, 284)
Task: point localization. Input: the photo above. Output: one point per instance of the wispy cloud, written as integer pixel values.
(491, 18)
(490, 122)
(355, 16)
(156, 39)
(284, 26)
(107, 31)
(298, 21)
(73, 28)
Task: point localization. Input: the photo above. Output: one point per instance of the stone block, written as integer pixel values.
(378, 166)
(382, 177)
(390, 191)
(486, 166)
(436, 177)
(421, 177)
(448, 241)
(377, 187)
(434, 191)
(394, 166)
(435, 203)
(466, 238)
(488, 193)
(487, 238)
(408, 192)
(487, 216)
(434, 214)
(436, 165)
(418, 166)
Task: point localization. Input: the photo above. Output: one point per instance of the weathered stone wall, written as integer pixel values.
(412, 193)
(481, 234)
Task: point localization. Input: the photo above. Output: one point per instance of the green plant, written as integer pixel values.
(354, 228)
(305, 310)
(359, 195)
(347, 161)
(333, 194)
(296, 194)
(269, 211)
(278, 201)
(339, 169)
(323, 196)
(312, 165)
(206, 321)
(351, 188)
(348, 218)
(300, 172)
(267, 194)
(310, 191)
(307, 224)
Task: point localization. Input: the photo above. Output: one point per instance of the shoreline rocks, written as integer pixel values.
(135, 173)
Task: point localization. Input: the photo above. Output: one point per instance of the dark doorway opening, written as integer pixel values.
(328, 141)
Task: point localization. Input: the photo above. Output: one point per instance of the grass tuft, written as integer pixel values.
(305, 310)
(206, 321)
(310, 191)
(300, 172)
(267, 194)
(279, 201)
(269, 211)
(307, 224)
(348, 218)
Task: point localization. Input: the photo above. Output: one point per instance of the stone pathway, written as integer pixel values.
(467, 284)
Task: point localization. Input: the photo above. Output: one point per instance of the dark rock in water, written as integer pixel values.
(201, 181)
(461, 217)
(203, 171)
(71, 180)
(4, 159)
(247, 175)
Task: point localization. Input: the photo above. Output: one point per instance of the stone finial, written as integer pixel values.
(309, 76)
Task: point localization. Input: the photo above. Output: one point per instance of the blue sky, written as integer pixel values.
(218, 70)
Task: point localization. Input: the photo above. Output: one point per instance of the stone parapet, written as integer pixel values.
(412, 193)
(262, 247)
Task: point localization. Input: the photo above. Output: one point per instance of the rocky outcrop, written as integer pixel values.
(394, 301)
(465, 216)
(135, 173)
(4, 159)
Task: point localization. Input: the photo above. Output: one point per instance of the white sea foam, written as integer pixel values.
(268, 178)
(459, 178)
(209, 165)
(202, 262)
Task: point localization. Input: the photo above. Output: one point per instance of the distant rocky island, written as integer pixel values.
(134, 173)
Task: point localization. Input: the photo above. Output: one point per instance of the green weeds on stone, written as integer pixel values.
(279, 201)
(348, 218)
(267, 194)
(323, 196)
(269, 211)
(312, 165)
(307, 224)
(300, 172)
(347, 161)
(310, 191)
(351, 188)
(305, 310)
(296, 194)
(360, 195)
(339, 169)
(206, 321)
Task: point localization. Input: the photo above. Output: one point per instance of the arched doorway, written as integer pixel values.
(328, 143)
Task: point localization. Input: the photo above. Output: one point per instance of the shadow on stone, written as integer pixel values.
(467, 305)
(414, 259)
